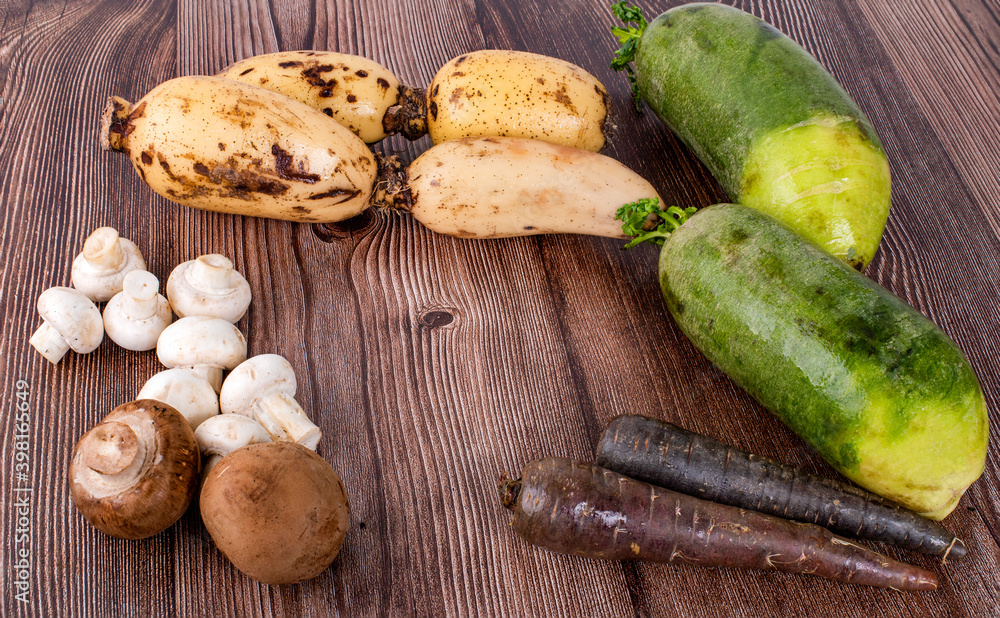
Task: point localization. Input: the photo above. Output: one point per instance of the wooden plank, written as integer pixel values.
(434, 364)
(954, 76)
(424, 388)
(916, 261)
(60, 62)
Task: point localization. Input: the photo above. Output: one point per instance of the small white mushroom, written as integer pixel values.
(135, 317)
(209, 286)
(100, 269)
(184, 390)
(263, 388)
(71, 321)
(205, 345)
(220, 435)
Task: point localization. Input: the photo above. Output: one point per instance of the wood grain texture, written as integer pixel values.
(434, 364)
(965, 50)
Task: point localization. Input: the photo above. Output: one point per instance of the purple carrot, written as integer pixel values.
(668, 456)
(585, 510)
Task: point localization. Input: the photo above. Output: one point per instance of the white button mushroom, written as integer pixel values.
(99, 270)
(220, 435)
(209, 286)
(135, 317)
(263, 388)
(184, 390)
(71, 321)
(205, 345)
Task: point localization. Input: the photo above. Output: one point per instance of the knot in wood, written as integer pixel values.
(351, 228)
(435, 318)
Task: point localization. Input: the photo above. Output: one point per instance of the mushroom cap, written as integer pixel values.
(201, 341)
(124, 319)
(254, 379)
(184, 390)
(209, 286)
(134, 474)
(74, 316)
(224, 433)
(277, 510)
(99, 270)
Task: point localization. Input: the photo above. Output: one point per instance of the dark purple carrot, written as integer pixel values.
(585, 510)
(662, 454)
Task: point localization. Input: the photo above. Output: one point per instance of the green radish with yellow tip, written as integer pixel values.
(869, 383)
(771, 124)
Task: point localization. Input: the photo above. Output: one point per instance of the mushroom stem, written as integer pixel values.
(212, 374)
(223, 434)
(103, 249)
(49, 343)
(208, 464)
(111, 448)
(285, 420)
(113, 456)
(141, 294)
(211, 272)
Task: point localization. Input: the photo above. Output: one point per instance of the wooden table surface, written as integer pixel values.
(434, 364)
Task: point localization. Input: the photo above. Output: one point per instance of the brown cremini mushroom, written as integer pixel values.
(134, 474)
(277, 510)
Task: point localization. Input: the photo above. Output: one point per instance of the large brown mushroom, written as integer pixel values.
(134, 474)
(277, 510)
